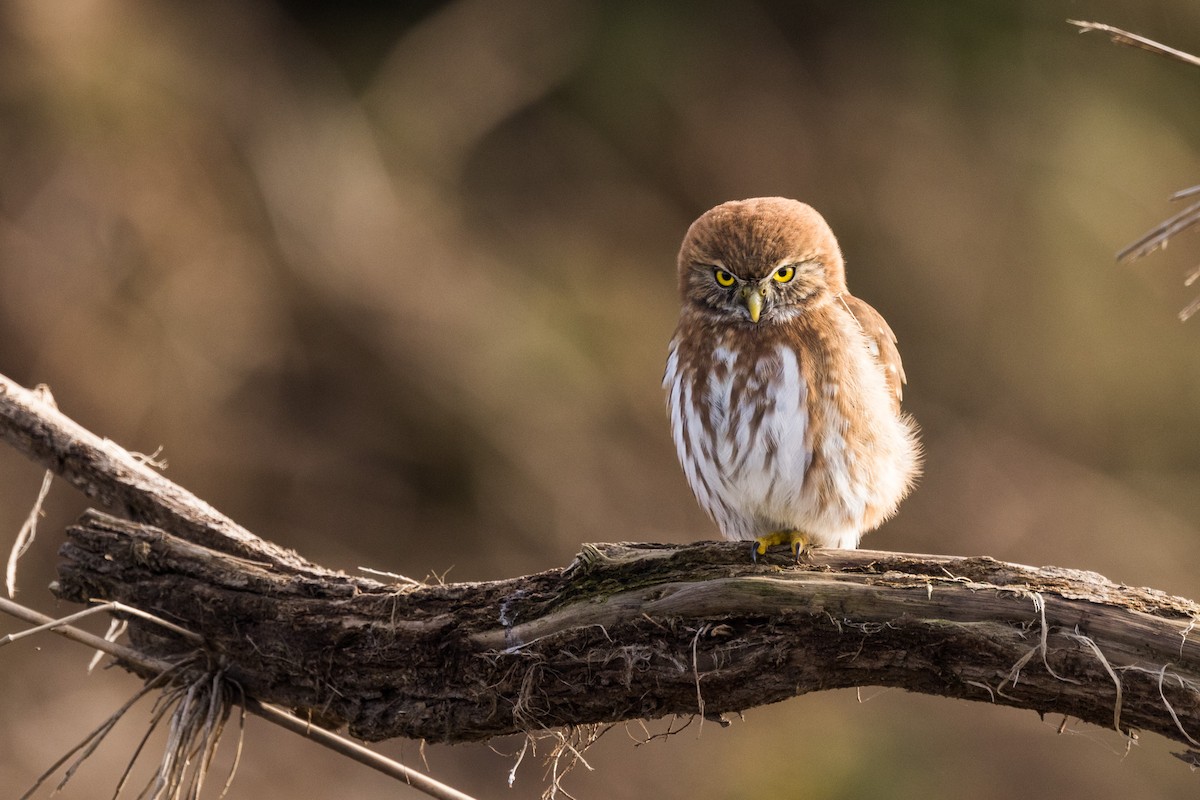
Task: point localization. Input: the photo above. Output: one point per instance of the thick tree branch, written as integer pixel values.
(633, 630)
(626, 631)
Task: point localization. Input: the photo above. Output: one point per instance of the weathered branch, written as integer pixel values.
(122, 482)
(651, 630)
(627, 630)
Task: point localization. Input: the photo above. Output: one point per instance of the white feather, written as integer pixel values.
(750, 492)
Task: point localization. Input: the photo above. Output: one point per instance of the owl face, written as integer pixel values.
(760, 261)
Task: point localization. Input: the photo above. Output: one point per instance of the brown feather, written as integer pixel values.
(882, 341)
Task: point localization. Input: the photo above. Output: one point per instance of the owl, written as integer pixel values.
(783, 388)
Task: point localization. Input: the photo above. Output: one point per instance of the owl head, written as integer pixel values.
(759, 261)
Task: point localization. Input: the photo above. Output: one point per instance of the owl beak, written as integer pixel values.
(753, 296)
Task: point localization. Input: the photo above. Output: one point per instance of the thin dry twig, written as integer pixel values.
(1119, 36)
(199, 726)
(28, 530)
(90, 742)
(696, 675)
(1159, 235)
(116, 628)
(1189, 311)
(26, 535)
(111, 606)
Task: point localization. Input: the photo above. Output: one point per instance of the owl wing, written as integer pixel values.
(881, 341)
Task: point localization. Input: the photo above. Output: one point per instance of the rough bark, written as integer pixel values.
(121, 481)
(625, 631)
(644, 630)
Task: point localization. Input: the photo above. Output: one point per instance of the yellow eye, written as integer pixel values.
(724, 278)
(783, 274)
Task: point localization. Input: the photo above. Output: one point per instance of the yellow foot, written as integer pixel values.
(796, 540)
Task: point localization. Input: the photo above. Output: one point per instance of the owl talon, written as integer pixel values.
(800, 547)
(797, 542)
(759, 547)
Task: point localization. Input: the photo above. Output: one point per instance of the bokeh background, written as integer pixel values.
(392, 284)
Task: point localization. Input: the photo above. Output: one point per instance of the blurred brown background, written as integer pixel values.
(392, 285)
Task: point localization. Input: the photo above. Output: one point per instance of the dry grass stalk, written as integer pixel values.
(1158, 236)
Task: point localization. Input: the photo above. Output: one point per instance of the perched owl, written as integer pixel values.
(783, 388)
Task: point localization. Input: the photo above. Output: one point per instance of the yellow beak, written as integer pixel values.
(754, 301)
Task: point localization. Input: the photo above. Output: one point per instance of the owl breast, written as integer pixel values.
(766, 449)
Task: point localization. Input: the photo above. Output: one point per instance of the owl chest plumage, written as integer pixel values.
(785, 433)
